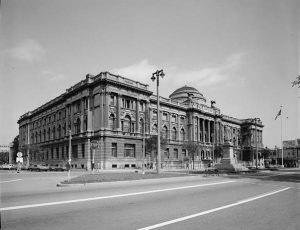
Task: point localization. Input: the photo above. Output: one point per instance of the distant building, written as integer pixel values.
(4, 148)
(118, 112)
(291, 153)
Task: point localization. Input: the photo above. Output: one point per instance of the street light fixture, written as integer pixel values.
(155, 76)
(70, 150)
(256, 148)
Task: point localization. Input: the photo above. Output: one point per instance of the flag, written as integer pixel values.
(278, 114)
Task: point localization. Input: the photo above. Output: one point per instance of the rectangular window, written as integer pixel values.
(176, 153)
(62, 153)
(184, 153)
(173, 118)
(112, 100)
(83, 150)
(142, 106)
(114, 149)
(165, 117)
(129, 150)
(181, 120)
(96, 100)
(52, 157)
(154, 115)
(167, 153)
(57, 153)
(74, 151)
(67, 152)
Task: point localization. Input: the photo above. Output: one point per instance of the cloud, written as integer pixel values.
(223, 74)
(138, 71)
(216, 75)
(29, 50)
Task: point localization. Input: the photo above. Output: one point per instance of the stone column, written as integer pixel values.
(89, 116)
(119, 101)
(137, 122)
(101, 109)
(178, 128)
(106, 109)
(208, 126)
(147, 118)
(170, 126)
(67, 123)
(203, 130)
(81, 116)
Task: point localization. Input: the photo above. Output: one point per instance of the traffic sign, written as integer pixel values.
(19, 154)
(19, 159)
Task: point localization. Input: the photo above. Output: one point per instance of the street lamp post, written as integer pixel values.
(70, 150)
(155, 76)
(256, 147)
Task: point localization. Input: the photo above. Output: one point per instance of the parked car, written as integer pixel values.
(43, 167)
(9, 166)
(33, 168)
(39, 167)
(58, 168)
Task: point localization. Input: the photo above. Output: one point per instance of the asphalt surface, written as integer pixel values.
(267, 201)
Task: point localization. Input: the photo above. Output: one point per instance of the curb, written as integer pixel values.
(120, 181)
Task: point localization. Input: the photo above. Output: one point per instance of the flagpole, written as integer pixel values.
(281, 139)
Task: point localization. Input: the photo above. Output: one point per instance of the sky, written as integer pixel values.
(242, 54)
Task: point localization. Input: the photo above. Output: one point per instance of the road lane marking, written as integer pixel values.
(7, 181)
(213, 210)
(110, 197)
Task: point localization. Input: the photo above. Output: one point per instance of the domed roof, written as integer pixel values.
(183, 93)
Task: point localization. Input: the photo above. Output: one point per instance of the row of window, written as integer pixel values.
(63, 154)
(165, 117)
(127, 103)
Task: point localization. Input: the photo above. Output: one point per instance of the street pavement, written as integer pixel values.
(268, 201)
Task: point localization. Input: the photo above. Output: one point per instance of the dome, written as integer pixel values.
(182, 94)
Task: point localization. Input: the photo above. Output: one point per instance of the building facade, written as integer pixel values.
(291, 154)
(117, 113)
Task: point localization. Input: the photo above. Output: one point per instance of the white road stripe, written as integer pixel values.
(212, 210)
(109, 197)
(7, 181)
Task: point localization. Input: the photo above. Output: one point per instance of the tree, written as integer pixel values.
(218, 152)
(4, 157)
(15, 147)
(265, 153)
(151, 144)
(192, 148)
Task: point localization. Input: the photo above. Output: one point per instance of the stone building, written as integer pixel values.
(117, 113)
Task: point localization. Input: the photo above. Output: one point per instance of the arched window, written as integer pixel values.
(207, 155)
(111, 122)
(126, 124)
(202, 154)
(154, 128)
(174, 134)
(40, 136)
(59, 131)
(36, 137)
(53, 133)
(165, 132)
(142, 126)
(182, 134)
(64, 129)
(48, 134)
(77, 126)
(234, 141)
(85, 123)
(45, 135)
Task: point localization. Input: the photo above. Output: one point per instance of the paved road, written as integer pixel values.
(271, 201)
